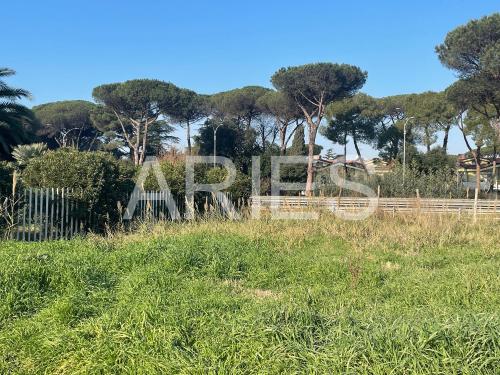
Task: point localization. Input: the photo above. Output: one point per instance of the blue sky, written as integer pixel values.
(62, 49)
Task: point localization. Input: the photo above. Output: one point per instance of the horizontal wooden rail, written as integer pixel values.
(424, 205)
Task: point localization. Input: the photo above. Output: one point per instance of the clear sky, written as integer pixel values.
(62, 49)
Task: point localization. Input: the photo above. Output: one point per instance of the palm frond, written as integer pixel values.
(11, 93)
(5, 72)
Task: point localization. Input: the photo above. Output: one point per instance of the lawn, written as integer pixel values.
(386, 295)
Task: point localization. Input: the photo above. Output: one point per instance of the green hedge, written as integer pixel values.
(241, 187)
(98, 179)
(175, 173)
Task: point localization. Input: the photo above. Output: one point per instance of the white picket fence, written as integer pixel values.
(43, 214)
(39, 214)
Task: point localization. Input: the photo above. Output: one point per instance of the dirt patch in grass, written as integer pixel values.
(257, 293)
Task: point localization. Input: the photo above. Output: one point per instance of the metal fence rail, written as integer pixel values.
(400, 205)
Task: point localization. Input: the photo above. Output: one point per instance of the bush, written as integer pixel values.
(174, 172)
(6, 171)
(431, 183)
(439, 183)
(97, 178)
(241, 187)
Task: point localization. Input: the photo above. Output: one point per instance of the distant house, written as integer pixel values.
(373, 166)
(466, 169)
(322, 164)
(378, 166)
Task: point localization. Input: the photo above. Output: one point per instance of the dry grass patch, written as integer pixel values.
(237, 287)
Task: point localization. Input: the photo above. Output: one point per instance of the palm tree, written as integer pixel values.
(14, 117)
(22, 154)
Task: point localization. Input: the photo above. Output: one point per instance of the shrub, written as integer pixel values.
(241, 187)
(98, 179)
(438, 183)
(174, 172)
(431, 183)
(6, 170)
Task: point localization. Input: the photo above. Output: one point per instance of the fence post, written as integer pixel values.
(40, 214)
(18, 215)
(68, 202)
(72, 213)
(52, 214)
(378, 197)
(61, 234)
(29, 215)
(476, 196)
(58, 206)
(35, 216)
(418, 201)
(47, 197)
(24, 216)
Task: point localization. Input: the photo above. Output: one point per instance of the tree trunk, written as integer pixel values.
(477, 158)
(445, 139)
(137, 157)
(144, 142)
(282, 132)
(395, 149)
(354, 140)
(345, 155)
(77, 145)
(188, 134)
(263, 138)
(475, 154)
(313, 128)
(92, 143)
(275, 133)
(427, 139)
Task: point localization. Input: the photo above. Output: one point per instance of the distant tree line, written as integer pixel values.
(137, 118)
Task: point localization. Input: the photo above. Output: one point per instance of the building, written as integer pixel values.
(373, 166)
(490, 172)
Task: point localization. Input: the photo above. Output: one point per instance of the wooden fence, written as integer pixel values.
(392, 205)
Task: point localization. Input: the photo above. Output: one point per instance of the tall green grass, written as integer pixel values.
(402, 295)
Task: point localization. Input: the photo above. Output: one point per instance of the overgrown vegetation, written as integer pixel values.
(402, 295)
(97, 178)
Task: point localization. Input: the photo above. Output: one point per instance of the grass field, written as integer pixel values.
(386, 295)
